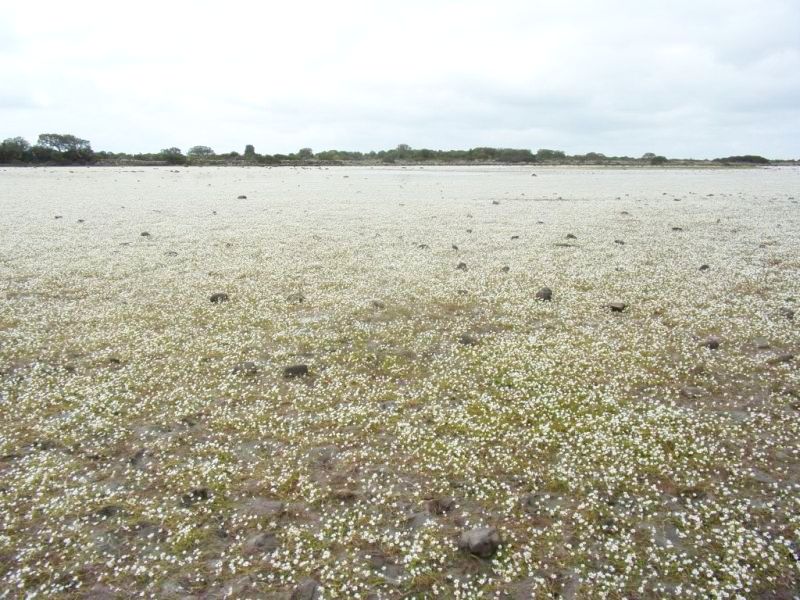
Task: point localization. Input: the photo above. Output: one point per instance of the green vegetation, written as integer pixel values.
(67, 149)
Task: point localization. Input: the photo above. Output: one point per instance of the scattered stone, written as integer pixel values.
(462, 266)
(219, 298)
(704, 267)
(81, 221)
(620, 242)
(761, 343)
(505, 269)
(624, 212)
(454, 247)
(677, 229)
(261, 543)
(571, 236)
(145, 234)
(617, 306)
(514, 237)
(195, 496)
(248, 368)
(440, 506)
(308, 589)
(468, 340)
(545, 294)
(711, 342)
(293, 371)
(469, 230)
(481, 541)
(59, 217)
(495, 202)
(788, 313)
(241, 197)
(783, 357)
(296, 298)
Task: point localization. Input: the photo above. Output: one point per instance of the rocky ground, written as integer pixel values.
(390, 383)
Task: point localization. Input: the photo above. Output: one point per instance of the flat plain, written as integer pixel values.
(152, 443)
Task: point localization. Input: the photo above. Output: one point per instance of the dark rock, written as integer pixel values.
(711, 342)
(308, 589)
(219, 298)
(145, 234)
(195, 496)
(495, 202)
(545, 294)
(81, 221)
(469, 230)
(59, 217)
(248, 368)
(423, 246)
(481, 541)
(296, 298)
(462, 266)
(514, 237)
(261, 543)
(468, 340)
(704, 267)
(170, 253)
(293, 371)
(571, 236)
(505, 269)
(440, 506)
(620, 242)
(241, 197)
(617, 306)
(788, 313)
(454, 247)
(677, 229)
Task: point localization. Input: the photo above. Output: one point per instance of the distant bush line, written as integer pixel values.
(67, 149)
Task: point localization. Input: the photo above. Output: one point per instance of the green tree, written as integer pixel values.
(14, 149)
(172, 156)
(249, 152)
(305, 154)
(200, 152)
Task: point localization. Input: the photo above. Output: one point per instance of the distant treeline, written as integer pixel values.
(66, 149)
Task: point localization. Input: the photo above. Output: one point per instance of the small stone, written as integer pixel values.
(170, 253)
(788, 313)
(495, 202)
(377, 304)
(481, 541)
(711, 342)
(545, 294)
(248, 368)
(571, 236)
(59, 217)
(293, 371)
(241, 197)
(296, 298)
(454, 247)
(620, 242)
(468, 340)
(514, 237)
(783, 357)
(219, 298)
(308, 589)
(145, 234)
(261, 543)
(440, 506)
(677, 229)
(81, 221)
(423, 246)
(195, 496)
(462, 266)
(469, 230)
(761, 343)
(704, 267)
(505, 269)
(617, 306)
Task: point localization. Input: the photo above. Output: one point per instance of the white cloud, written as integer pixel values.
(682, 78)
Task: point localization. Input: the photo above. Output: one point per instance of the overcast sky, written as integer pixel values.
(684, 78)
